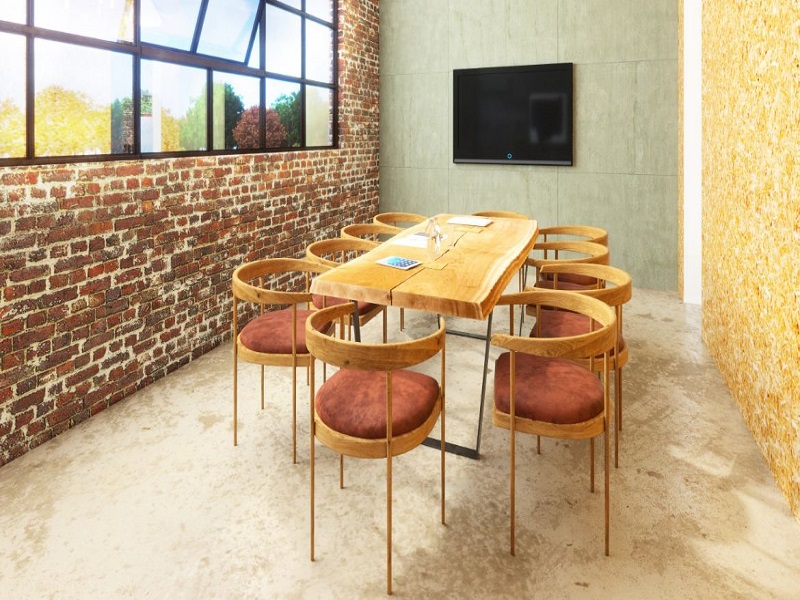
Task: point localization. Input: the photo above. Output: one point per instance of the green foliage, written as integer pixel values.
(288, 109)
(194, 134)
(234, 107)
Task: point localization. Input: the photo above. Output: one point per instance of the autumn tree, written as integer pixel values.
(69, 123)
(246, 132)
(12, 130)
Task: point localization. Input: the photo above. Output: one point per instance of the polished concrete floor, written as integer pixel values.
(150, 499)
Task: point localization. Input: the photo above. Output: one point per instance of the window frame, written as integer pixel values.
(143, 50)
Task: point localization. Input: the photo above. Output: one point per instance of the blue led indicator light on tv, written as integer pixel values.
(509, 156)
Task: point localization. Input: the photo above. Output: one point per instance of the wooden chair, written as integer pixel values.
(276, 337)
(374, 232)
(584, 233)
(373, 406)
(616, 290)
(336, 251)
(504, 214)
(399, 219)
(567, 251)
(541, 390)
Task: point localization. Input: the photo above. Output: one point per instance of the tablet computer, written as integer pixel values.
(398, 262)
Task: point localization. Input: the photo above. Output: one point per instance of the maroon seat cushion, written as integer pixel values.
(324, 301)
(552, 390)
(271, 333)
(354, 402)
(562, 323)
(571, 286)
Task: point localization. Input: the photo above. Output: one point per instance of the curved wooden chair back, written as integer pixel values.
(586, 233)
(385, 364)
(571, 251)
(374, 232)
(399, 219)
(504, 214)
(271, 284)
(336, 251)
(595, 344)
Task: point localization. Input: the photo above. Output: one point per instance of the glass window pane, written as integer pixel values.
(322, 9)
(283, 42)
(319, 52)
(319, 116)
(236, 111)
(169, 22)
(174, 113)
(12, 10)
(227, 28)
(255, 53)
(292, 3)
(80, 93)
(104, 19)
(12, 96)
(283, 102)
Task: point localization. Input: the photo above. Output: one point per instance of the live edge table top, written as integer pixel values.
(466, 280)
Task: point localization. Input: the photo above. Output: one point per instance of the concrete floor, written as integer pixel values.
(151, 499)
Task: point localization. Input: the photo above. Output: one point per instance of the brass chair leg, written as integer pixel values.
(262, 387)
(311, 458)
(591, 465)
(618, 413)
(294, 414)
(341, 471)
(389, 522)
(235, 389)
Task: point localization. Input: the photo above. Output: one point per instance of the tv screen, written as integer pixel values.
(517, 115)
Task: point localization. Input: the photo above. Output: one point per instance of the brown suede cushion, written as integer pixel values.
(354, 402)
(271, 333)
(552, 390)
(562, 323)
(570, 286)
(325, 301)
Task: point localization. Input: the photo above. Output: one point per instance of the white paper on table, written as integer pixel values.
(469, 220)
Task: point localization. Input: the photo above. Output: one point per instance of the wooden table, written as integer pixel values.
(465, 280)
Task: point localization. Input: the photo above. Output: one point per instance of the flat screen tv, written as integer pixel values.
(516, 115)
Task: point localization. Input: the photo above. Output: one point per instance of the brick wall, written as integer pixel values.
(114, 274)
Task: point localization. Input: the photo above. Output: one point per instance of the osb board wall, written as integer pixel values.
(681, 72)
(751, 218)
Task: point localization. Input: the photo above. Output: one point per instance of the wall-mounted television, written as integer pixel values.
(516, 115)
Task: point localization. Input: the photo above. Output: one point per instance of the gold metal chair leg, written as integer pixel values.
(591, 465)
(262, 387)
(311, 459)
(294, 414)
(389, 523)
(618, 413)
(402, 319)
(235, 399)
(341, 471)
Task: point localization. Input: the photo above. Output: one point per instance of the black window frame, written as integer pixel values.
(143, 50)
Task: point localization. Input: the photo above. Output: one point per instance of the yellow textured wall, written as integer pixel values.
(751, 218)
